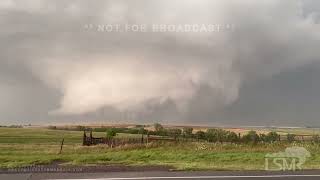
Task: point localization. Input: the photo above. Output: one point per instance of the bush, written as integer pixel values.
(143, 131)
(216, 135)
(162, 132)
(232, 137)
(291, 137)
(140, 126)
(263, 138)
(315, 138)
(211, 135)
(15, 126)
(174, 133)
(132, 131)
(158, 127)
(111, 133)
(251, 137)
(52, 127)
(187, 132)
(80, 128)
(200, 135)
(270, 137)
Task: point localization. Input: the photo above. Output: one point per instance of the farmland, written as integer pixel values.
(29, 146)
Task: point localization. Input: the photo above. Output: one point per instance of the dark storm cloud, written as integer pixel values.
(48, 53)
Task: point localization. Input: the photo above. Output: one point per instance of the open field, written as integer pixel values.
(23, 147)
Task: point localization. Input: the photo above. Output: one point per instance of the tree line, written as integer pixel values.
(220, 135)
(210, 135)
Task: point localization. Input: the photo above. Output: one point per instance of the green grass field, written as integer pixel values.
(23, 147)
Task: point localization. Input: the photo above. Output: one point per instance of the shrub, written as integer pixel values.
(143, 131)
(111, 133)
(200, 135)
(80, 128)
(315, 138)
(232, 137)
(162, 132)
(216, 135)
(140, 126)
(251, 137)
(158, 127)
(263, 138)
(291, 137)
(174, 133)
(211, 135)
(52, 127)
(187, 132)
(271, 137)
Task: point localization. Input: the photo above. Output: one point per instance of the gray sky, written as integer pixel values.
(259, 68)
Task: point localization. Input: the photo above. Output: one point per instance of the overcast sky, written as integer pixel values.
(251, 63)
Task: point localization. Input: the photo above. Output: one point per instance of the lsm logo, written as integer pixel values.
(290, 160)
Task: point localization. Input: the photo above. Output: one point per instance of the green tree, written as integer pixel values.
(211, 135)
(216, 135)
(251, 137)
(232, 137)
(263, 138)
(272, 137)
(111, 133)
(158, 127)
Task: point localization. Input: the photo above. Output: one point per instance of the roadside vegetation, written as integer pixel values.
(212, 135)
(214, 149)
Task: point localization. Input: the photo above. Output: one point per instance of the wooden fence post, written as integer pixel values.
(62, 142)
(91, 138)
(142, 140)
(84, 143)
